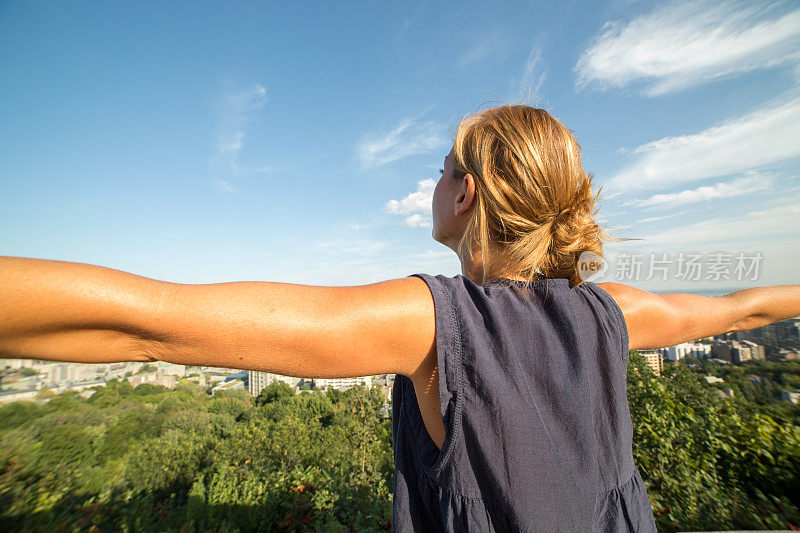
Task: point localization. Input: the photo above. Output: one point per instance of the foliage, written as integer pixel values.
(708, 462)
(152, 459)
(274, 392)
(178, 460)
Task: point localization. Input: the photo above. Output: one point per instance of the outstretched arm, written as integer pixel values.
(64, 311)
(661, 320)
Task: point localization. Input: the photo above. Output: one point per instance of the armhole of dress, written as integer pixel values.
(618, 315)
(450, 369)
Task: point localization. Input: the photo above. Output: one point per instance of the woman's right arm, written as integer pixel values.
(661, 320)
(83, 313)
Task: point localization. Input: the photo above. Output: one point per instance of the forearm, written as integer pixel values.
(64, 311)
(760, 306)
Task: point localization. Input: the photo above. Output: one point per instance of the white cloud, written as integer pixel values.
(488, 45)
(746, 185)
(416, 204)
(418, 201)
(741, 228)
(236, 109)
(687, 43)
(223, 185)
(533, 76)
(229, 145)
(407, 138)
(263, 169)
(358, 227)
(654, 219)
(535, 72)
(766, 136)
(243, 105)
(359, 247)
(418, 221)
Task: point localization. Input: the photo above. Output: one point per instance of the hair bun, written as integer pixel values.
(526, 163)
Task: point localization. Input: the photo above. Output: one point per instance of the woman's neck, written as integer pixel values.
(471, 266)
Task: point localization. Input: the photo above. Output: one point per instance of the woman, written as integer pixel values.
(509, 407)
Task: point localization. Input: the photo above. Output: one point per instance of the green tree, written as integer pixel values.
(274, 392)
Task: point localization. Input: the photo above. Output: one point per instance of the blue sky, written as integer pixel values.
(209, 142)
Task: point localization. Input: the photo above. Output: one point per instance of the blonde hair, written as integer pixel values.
(533, 197)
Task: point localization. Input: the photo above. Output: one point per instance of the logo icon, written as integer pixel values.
(591, 266)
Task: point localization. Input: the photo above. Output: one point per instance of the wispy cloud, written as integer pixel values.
(688, 43)
(485, 47)
(410, 137)
(417, 205)
(228, 146)
(358, 247)
(749, 184)
(418, 221)
(529, 83)
(765, 136)
(237, 108)
(533, 75)
(224, 185)
(655, 219)
(744, 228)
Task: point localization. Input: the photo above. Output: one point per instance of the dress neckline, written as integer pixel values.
(551, 281)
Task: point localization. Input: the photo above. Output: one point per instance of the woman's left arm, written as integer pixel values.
(64, 311)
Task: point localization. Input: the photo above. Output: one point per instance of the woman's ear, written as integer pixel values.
(466, 196)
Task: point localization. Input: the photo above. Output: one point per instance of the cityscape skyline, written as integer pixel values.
(777, 341)
(277, 143)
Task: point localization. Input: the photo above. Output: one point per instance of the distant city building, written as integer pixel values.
(786, 354)
(17, 395)
(241, 375)
(734, 351)
(256, 381)
(30, 394)
(200, 379)
(88, 385)
(68, 372)
(739, 353)
(343, 383)
(790, 396)
(778, 335)
(795, 332)
(654, 360)
(768, 335)
(153, 378)
(757, 352)
(228, 385)
(170, 369)
(789, 333)
(686, 349)
(721, 350)
(18, 363)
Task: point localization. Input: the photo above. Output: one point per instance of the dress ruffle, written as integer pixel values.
(622, 508)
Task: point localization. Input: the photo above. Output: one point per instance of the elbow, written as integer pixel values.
(740, 325)
(144, 358)
(142, 350)
(740, 317)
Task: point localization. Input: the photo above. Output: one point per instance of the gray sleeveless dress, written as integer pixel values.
(533, 400)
